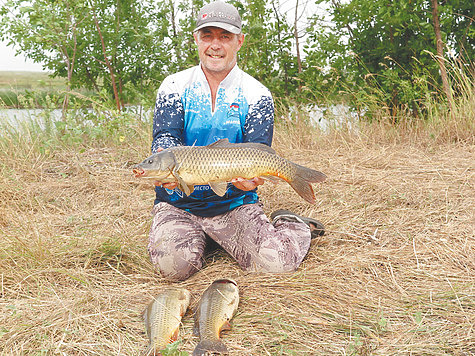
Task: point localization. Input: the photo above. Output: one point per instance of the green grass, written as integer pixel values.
(30, 80)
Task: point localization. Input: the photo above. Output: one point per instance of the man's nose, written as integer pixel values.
(216, 43)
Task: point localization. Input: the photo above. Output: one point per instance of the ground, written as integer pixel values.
(394, 273)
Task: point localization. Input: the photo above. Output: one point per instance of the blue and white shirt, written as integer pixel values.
(244, 112)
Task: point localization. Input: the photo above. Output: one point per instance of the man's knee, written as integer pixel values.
(273, 261)
(176, 268)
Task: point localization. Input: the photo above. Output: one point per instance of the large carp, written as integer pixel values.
(220, 162)
(217, 306)
(163, 318)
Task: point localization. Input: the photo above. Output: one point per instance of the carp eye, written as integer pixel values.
(150, 161)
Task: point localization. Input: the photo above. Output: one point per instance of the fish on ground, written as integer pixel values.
(163, 318)
(215, 309)
(221, 162)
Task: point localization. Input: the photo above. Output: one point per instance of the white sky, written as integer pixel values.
(10, 62)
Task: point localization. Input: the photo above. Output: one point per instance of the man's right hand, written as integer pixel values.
(170, 186)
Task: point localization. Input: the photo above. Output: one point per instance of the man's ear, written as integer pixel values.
(195, 36)
(240, 40)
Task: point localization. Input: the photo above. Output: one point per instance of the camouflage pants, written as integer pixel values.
(178, 240)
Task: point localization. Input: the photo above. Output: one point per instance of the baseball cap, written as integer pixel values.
(219, 14)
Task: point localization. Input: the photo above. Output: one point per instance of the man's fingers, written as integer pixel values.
(247, 184)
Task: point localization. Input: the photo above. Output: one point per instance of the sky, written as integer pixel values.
(11, 62)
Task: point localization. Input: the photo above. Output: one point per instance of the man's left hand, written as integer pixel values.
(247, 184)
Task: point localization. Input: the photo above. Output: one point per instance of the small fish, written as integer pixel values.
(220, 162)
(216, 307)
(163, 317)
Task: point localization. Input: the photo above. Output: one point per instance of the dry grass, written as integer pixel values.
(394, 274)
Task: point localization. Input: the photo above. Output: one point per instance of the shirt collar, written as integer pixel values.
(228, 79)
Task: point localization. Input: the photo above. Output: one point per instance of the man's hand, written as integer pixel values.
(170, 186)
(247, 184)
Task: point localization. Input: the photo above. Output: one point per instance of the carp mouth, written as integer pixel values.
(139, 172)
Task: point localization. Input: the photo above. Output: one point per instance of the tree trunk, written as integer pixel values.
(297, 45)
(279, 43)
(107, 62)
(440, 54)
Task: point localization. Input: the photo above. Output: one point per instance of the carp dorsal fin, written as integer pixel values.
(224, 142)
(219, 188)
(258, 146)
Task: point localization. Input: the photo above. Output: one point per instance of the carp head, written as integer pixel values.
(158, 166)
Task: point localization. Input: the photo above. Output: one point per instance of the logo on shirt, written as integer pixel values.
(232, 116)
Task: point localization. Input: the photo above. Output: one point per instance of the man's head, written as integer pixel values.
(219, 14)
(218, 36)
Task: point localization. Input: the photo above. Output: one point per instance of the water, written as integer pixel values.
(13, 117)
(42, 118)
(339, 116)
(335, 116)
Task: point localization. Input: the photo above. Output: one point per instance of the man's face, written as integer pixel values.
(218, 49)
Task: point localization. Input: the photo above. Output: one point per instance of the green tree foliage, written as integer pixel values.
(384, 50)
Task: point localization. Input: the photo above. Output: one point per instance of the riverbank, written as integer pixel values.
(392, 275)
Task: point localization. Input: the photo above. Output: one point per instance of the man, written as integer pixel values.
(198, 106)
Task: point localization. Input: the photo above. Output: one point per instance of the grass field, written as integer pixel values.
(29, 80)
(30, 89)
(394, 273)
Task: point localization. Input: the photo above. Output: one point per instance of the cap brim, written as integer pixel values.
(224, 26)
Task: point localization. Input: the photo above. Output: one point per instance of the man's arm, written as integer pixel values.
(259, 125)
(168, 123)
(168, 119)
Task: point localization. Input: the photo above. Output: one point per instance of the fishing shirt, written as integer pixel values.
(244, 112)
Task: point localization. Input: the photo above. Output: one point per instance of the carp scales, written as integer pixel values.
(216, 307)
(222, 161)
(163, 318)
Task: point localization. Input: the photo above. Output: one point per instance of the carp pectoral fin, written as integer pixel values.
(185, 188)
(174, 336)
(219, 188)
(226, 326)
(196, 325)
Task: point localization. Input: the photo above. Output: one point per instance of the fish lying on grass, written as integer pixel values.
(220, 162)
(216, 307)
(163, 317)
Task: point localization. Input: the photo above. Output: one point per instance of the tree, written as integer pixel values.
(440, 53)
(385, 50)
(100, 44)
(47, 32)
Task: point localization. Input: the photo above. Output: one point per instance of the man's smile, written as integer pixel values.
(215, 56)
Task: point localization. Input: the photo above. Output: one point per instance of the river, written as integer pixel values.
(324, 118)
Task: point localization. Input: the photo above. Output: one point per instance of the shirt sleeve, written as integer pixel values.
(259, 124)
(168, 117)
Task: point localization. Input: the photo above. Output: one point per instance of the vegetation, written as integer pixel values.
(377, 54)
(392, 275)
